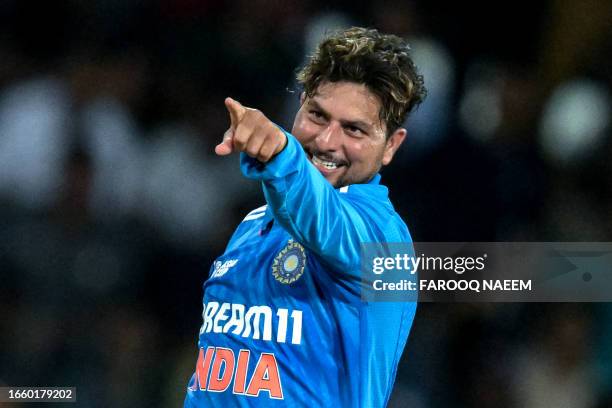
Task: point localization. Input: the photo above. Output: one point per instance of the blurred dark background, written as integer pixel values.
(113, 204)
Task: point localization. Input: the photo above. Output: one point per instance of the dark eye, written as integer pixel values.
(316, 114)
(354, 130)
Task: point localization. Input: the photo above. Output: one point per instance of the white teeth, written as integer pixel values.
(327, 164)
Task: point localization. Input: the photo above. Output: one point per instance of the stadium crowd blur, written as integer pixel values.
(113, 204)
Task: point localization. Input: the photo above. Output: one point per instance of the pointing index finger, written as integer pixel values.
(236, 111)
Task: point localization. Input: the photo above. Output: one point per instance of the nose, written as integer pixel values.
(330, 138)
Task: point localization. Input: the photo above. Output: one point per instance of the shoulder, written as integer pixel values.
(372, 203)
(248, 227)
(373, 193)
(257, 213)
(372, 200)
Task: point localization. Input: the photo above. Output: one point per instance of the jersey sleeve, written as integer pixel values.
(317, 215)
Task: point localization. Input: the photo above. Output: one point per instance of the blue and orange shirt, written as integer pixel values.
(283, 320)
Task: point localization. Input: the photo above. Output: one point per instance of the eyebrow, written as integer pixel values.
(357, 123)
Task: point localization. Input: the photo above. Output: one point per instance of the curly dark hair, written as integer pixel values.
(379, 61)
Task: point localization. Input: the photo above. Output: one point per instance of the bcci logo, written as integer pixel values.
(289, 264)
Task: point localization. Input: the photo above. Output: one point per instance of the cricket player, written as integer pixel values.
(283, 321)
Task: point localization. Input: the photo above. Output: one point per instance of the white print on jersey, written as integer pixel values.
(256, 213)
(221, 268)
(256, 322)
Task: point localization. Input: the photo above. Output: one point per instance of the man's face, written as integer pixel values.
(340, 130)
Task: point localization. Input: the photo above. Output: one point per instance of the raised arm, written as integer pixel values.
(323, 219)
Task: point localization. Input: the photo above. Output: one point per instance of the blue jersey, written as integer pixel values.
(283, 320)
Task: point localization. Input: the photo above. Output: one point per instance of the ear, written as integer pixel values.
(302, 98)
(393, 143)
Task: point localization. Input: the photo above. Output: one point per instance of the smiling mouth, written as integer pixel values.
(328, 164)
(324, 163)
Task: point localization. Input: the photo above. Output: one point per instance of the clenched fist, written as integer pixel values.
(250, 132)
